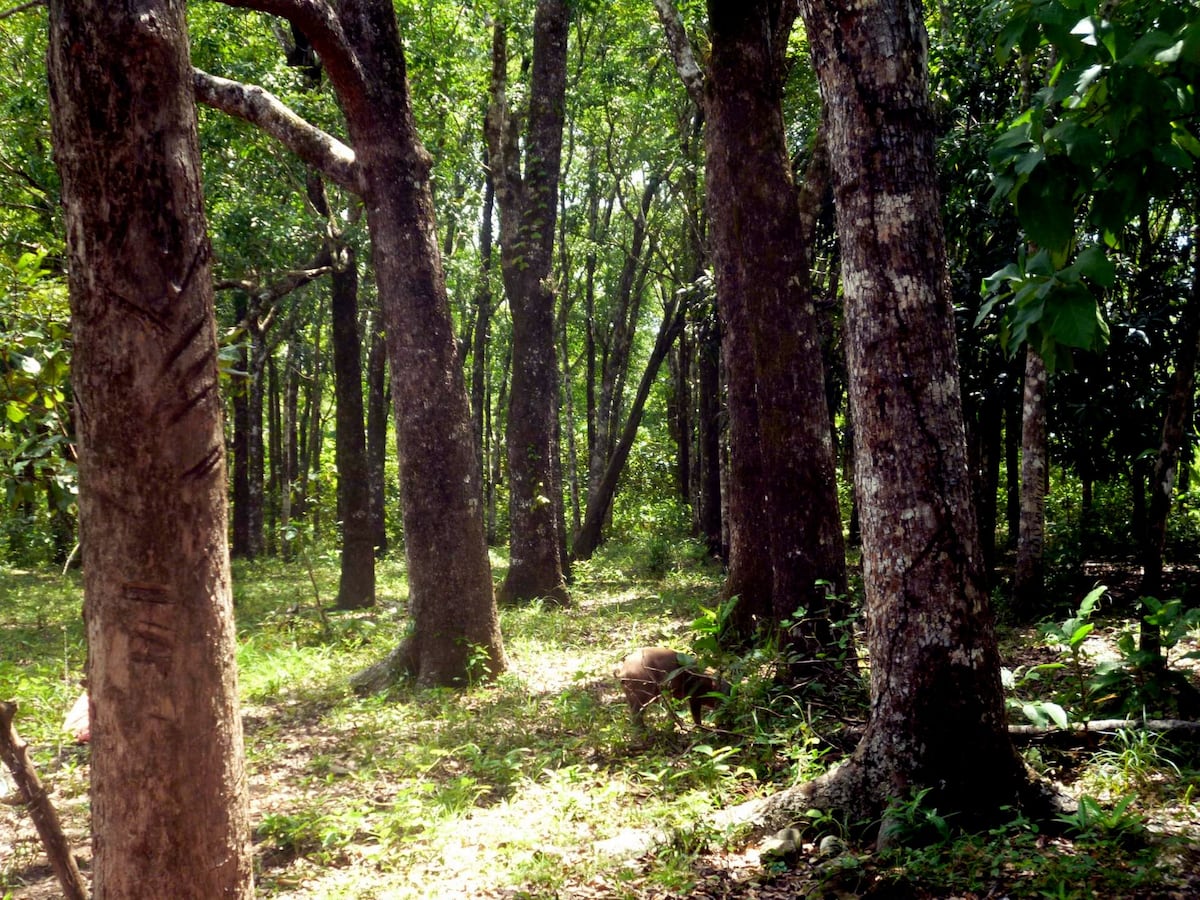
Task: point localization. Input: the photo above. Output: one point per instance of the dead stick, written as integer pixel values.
(13, 752)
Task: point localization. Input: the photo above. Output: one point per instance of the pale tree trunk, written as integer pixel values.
(528, 203)
(1028, 580)
(455, 634)
(937, 717)
(168, 784)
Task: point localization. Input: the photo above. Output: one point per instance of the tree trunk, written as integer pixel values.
(168, 784)
(356, 586)
(937, 708)
(483, 321)
(1175, 426)
(240, 527)
(528, 208)
(708, 431)
(377, 415)
(786, 555)
(1028, 580)
(455, 625)
(600, 499)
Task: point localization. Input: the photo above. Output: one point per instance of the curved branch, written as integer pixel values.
(321, 25)
(263, 109)
(681, 50)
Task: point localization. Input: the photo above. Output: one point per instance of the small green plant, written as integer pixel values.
(1068, 636)
(913, 822)
(1091, 821)
(1143, 679)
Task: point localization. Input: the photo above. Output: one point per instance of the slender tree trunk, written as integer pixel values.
(1028, 580)
(356, 587)
(255, 497)
(377, 417)
(168, 784)
(1012, 456)
(708, 431)
(528, 206)
(240, 546)
(275, 456)
(600, 501)
(483, 321)
(456, 629)
(937, 709)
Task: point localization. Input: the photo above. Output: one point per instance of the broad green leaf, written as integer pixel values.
(1072, 318)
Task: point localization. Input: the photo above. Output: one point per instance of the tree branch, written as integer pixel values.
(263, 109)
(681, 50)
(320, 24)
(21, 8)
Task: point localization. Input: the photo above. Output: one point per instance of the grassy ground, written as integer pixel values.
(535, 786)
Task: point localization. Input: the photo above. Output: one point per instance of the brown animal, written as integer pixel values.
(647, 672)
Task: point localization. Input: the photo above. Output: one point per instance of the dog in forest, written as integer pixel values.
(647, 673)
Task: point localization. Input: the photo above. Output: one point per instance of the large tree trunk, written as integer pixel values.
(356, 586)
(168, 796)
(451, 599)
(937, 710)
(528, 208)
(786, 552)
(1028, 581)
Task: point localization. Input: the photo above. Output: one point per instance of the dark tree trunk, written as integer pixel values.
(377, 418)
(600, 501)
(356, 587)
(451, 599)
(528, 207)
(786, 553)
(937, 709)
(1012, 456)
(708, 431)
(274, 455)
(240, 546)
(165, 730)
(1028, 579)
(1175, 425)
(254, 443)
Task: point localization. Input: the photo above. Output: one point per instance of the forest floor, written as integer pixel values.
(535, 786)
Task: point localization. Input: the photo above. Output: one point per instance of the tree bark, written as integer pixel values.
(528, 204)
(240, 446)
(168, 784)
(786, 555)
(601, 497)
(937, 709)
(1028, 579)
(356, 584)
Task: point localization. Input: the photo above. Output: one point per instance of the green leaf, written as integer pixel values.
(1093, 263)
(1046, 207)
(1073, 319)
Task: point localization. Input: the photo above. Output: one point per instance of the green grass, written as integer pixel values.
(534, 783)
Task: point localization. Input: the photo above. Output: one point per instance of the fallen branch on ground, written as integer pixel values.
(14, 753)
